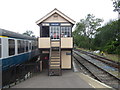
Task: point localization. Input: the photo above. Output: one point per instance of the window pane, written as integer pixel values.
(55, 32)
(29, 45)
(36, 45)
(11, 44)
(33, 45)
(19, 47)
(0, 51)
(22, 45)
(65, 31)
(62, 32)
(69, 31)
(26, 46)
(0, 40)
(0, 48)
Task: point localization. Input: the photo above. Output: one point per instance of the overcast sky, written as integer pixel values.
(21, 15)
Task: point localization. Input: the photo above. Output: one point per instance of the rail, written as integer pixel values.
(97, 72)
(100, 58)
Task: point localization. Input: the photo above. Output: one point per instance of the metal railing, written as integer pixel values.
(19, 73)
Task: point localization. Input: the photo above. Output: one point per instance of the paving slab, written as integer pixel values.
(69, 79)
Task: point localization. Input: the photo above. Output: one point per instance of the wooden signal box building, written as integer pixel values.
(55, 42)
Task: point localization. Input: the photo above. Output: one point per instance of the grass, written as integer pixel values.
(113, 57)
(117, 74)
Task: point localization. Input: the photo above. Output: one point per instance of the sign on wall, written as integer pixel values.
(54, 24)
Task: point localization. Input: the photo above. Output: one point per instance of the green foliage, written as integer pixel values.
(111, 47)
(85, 30)
(116, 5)
(29, 33)
(108, 38)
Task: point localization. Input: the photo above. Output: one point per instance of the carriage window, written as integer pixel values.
(33, 45)
(11, 44)
(0, 51)
(65, 31)
(20, 46)
(0, 48)
(26, 46)
(36, 44)
(0, 41)
(30, 47)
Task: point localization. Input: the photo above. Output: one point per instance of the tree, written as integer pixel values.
(92, 24)
(87, 29)
(29, 33)
(116, 5)
(108, 38)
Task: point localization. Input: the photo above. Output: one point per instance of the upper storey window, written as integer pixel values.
(66, 31)
(55, 32)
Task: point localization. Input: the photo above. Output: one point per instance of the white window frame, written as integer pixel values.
(55, 29)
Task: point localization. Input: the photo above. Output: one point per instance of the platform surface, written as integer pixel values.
(69, 79)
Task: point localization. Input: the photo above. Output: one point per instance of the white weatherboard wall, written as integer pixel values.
(44, 43)
(66, 59)
(55, 18)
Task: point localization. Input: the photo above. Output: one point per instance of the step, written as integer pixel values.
(55, 57)
(55, 65)
(55, 53)
(54, 62)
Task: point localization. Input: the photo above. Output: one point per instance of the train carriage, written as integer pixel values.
(15, 49)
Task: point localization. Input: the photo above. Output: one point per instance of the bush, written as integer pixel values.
(112, 47)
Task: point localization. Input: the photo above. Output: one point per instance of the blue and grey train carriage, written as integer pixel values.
(16, 49)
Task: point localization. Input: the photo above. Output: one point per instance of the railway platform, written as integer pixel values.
(69, 79)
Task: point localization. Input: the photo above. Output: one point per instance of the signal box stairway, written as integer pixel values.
(55, 58)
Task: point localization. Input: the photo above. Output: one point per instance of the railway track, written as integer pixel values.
(102, 59)
(96, 72)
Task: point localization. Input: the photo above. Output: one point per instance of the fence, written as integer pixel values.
(19, 73)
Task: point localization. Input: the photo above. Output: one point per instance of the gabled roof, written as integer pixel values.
(59, 13)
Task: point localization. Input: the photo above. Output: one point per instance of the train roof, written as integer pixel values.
(11, 34)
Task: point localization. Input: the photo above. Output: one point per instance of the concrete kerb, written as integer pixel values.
(92, 82)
